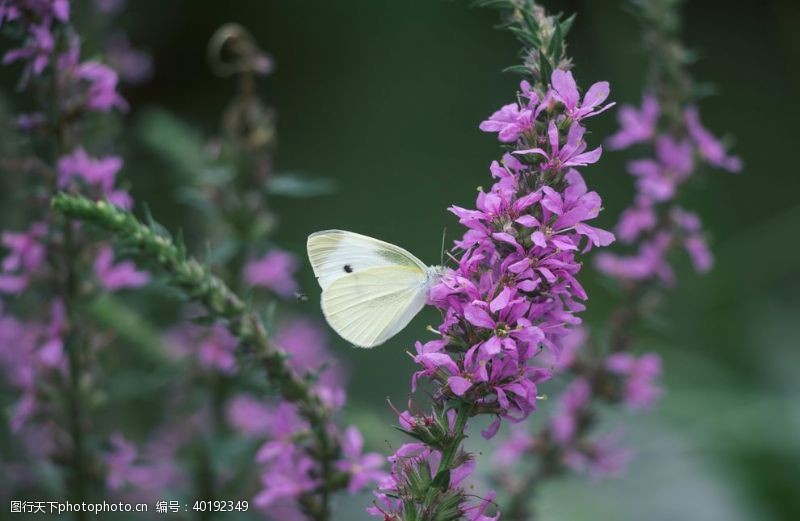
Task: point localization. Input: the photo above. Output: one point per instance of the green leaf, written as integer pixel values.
(222, 252)
(566, 25)
(545, 69)
(525, 36)
(173, 140)
(492, 4)
(295, 184)
(518, 69)
(442, 479)
(556, 47)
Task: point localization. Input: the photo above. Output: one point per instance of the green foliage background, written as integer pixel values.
(385, 97)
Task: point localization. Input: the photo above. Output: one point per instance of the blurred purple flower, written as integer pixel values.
(564, 421)
(363, 469)
(274, 271)
(640, 375)
(212, 347)
(602, 457)
(709, 146)
(143, 474)
(637, 219)
(649, 262)
(306, 343)
(100, 173)
(38, 49)
(133, 66)
(659, 177)
(25, 257)
(289, 477)
(117, 276)
(636, 125)
(249, 415)
(513, 447)
(102, 94)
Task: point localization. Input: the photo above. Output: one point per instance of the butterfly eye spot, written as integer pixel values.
(348, 268)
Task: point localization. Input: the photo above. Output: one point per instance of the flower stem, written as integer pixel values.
(197, 282)
(448, 455)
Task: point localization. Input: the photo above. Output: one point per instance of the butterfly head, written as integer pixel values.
(435, 274)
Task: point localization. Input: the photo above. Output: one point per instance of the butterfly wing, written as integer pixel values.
(337, 253)
(370, 306)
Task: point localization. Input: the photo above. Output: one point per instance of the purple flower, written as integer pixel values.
(659, 177)
(274, 271)
(51, 351)
(709, 146)
(250, 416)
(509, 122)
(285, 425)
(602, 457)
(699, 253)
(571, 154)
(99, 174)
(142, 473)
(512, 448)
(288, 478)
(102, 94)
(641, 374)
(306, 344)
(477, 512)
(133, 66)
(649, 262)
(564, 422)
(513, 294)
(636, 126)
(38, 50)
(565, 90)
(212, 347)
(637, 219)
(25, 257)
(571, 344)
(363, 469)
(30, 122)
(117, 276)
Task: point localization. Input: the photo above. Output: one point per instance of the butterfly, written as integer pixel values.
(370, 289)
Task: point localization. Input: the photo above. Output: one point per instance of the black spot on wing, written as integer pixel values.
(348, 268)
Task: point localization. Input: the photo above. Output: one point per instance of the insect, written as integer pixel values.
(370, 289)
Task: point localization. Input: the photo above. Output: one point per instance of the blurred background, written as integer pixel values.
(385, 98)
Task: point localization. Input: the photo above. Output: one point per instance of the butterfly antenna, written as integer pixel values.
(452, 258)
(441, 255)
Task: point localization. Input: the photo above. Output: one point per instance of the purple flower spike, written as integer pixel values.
(636, 125)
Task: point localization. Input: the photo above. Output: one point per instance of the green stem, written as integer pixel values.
(449, 453)
(197, 282)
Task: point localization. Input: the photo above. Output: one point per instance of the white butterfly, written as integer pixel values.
(370, 289)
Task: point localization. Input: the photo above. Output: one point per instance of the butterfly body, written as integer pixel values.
(371, 289)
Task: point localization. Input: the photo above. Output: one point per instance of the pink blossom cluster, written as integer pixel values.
(655, 224)
(289, 470)
(50, 54)
(83, 87)
(514, 293)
